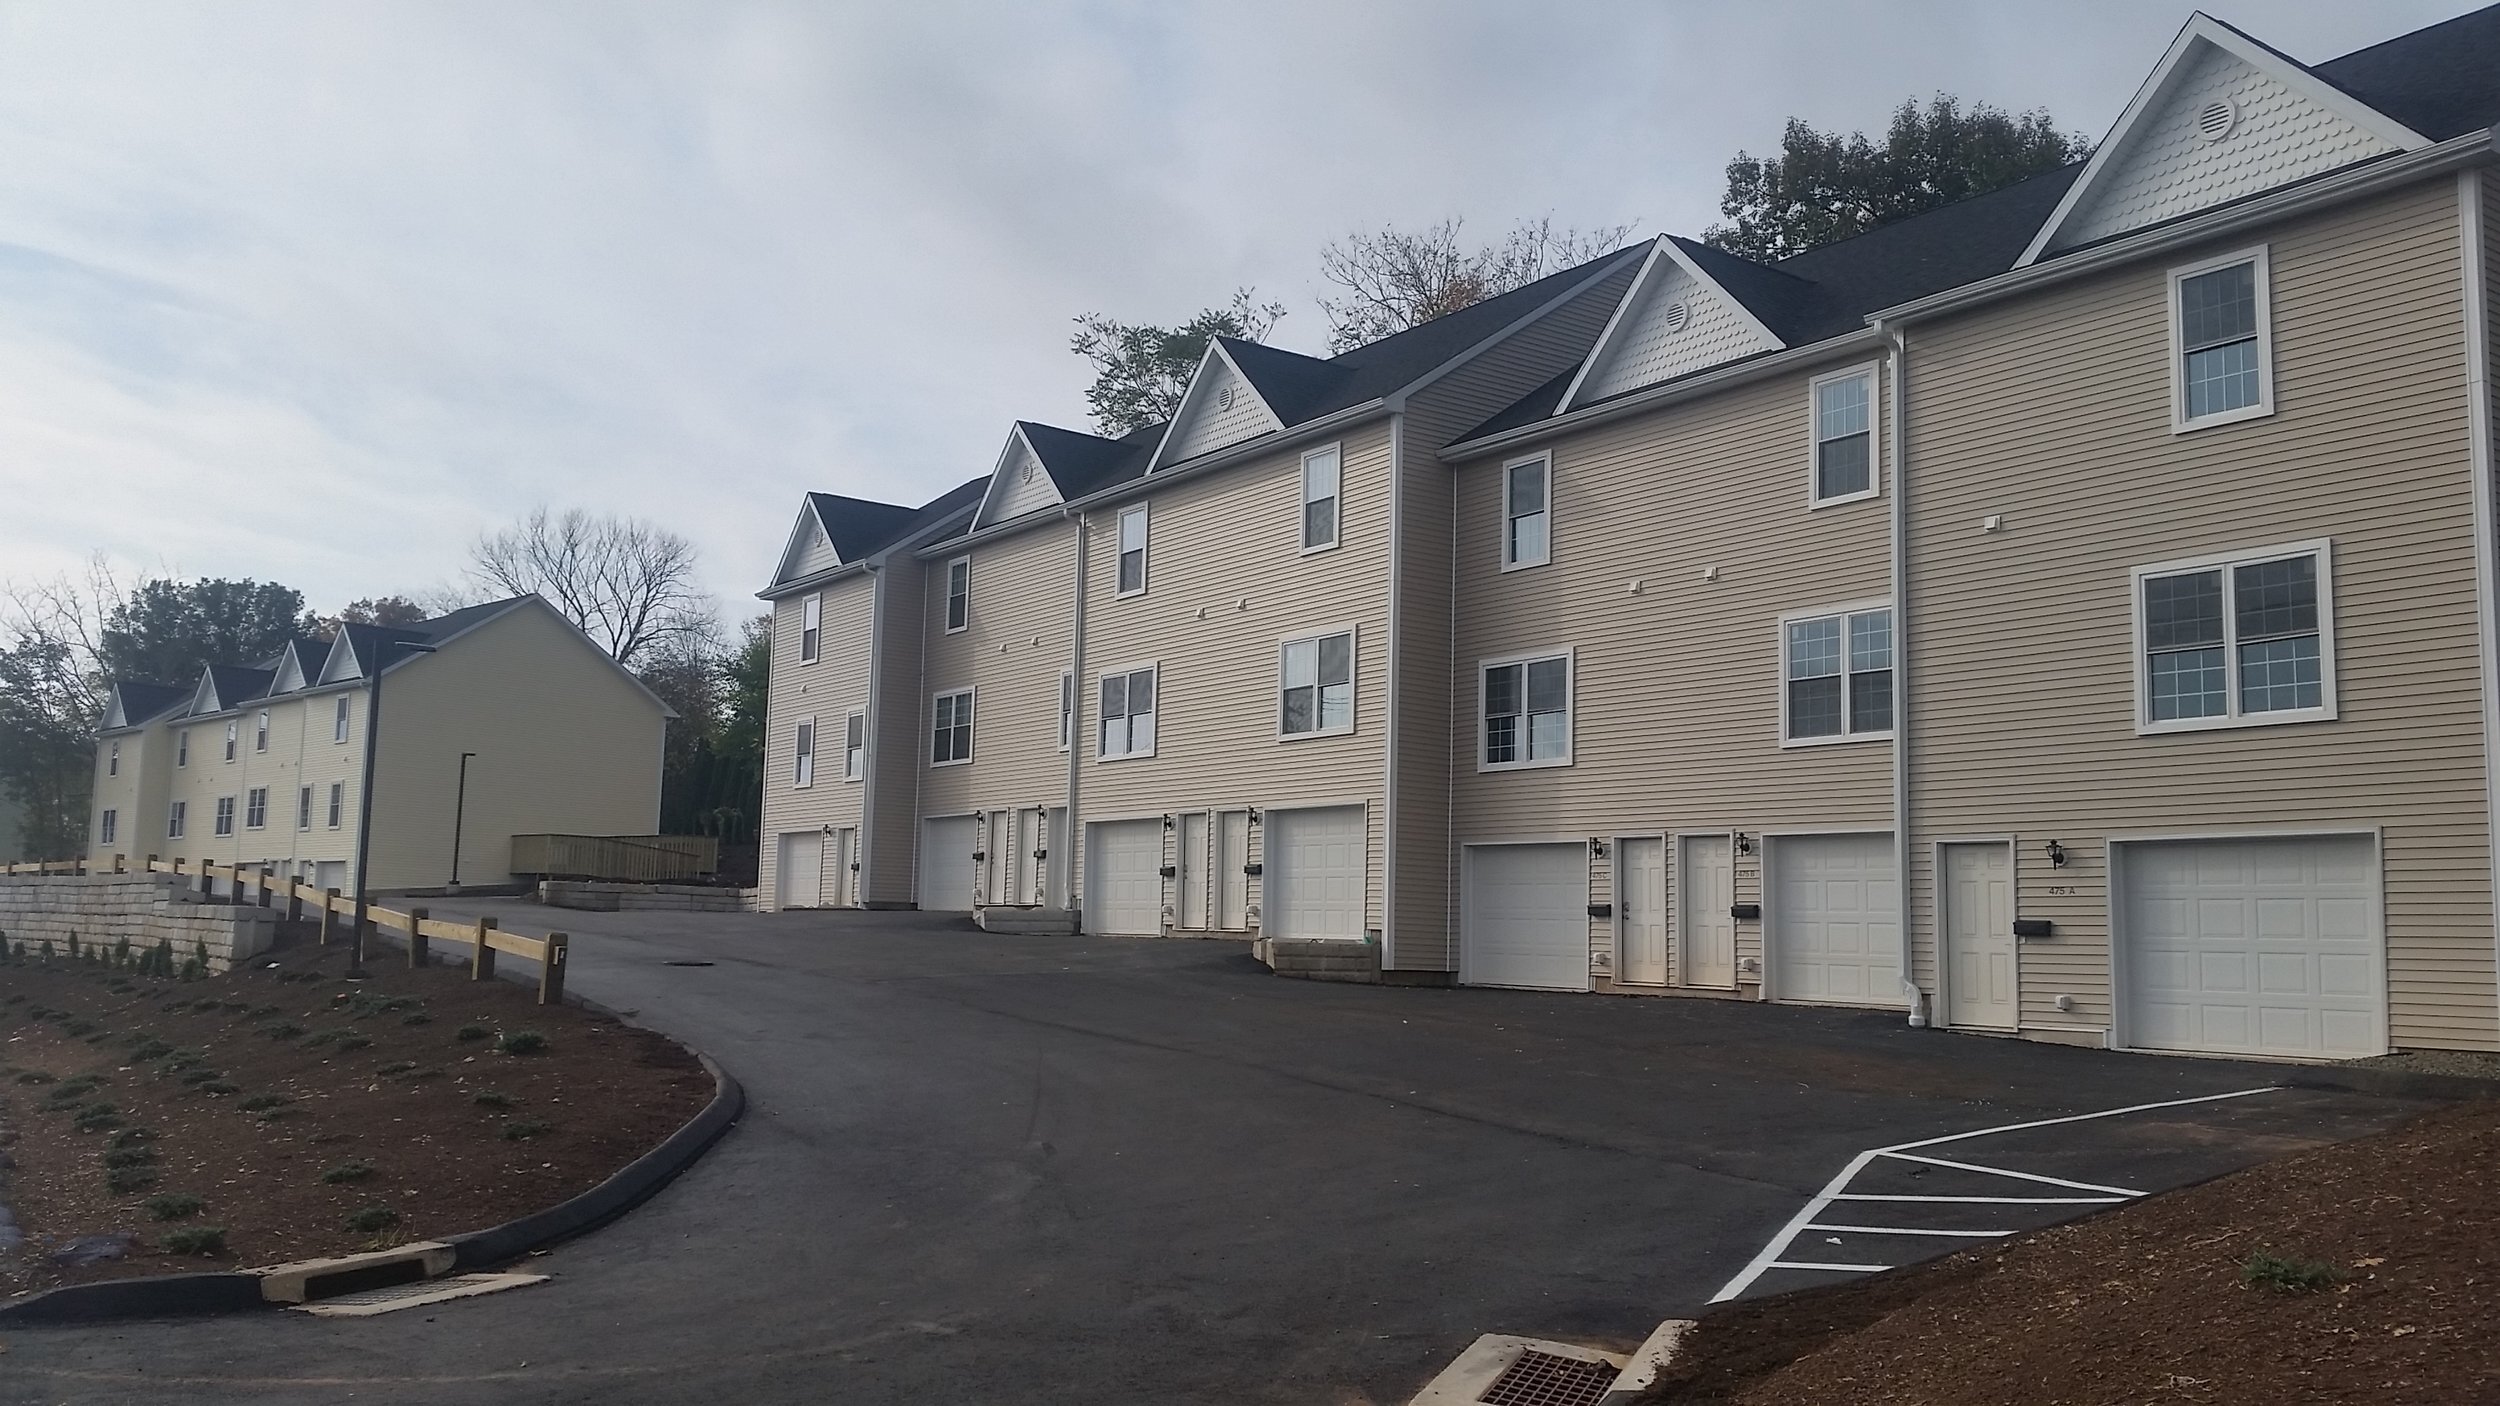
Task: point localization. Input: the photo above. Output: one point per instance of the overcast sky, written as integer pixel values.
(315, 292)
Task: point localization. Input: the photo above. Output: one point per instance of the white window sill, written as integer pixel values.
(1834, 502)
(1837, 739)
(853, 780)
(1539, 764)
(2259, 411)
(959, 761)
(802, 785)
(957, 629)
(1322, 547)
(1129, 595)
(2217, 724)
(1346, 731)
(1122, 756)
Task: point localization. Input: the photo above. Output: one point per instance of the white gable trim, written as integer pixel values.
(1662, 252)
(342, 665)
(1192, 398)
(794, 552)
(115, 716)
(2203, 29)
(290, 677)
(204, 698)
(1002, 478)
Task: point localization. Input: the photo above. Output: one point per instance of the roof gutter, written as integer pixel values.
(1290, 437)
(809, 583)
(2364, 179)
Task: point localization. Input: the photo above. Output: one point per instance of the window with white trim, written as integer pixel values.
(1316, 687)
(177, 819)
(113, 759)
(338, 720)
(811, 627)
(1527, 512)
(1132, 551)
(1128, 715)
(256, 808)
(1322, 470)
(182, 747)
(260, 732)
(1526, 707)
(2222, 341)
(950, 737)
(855, 747)
(338, 804)
(1844, 436)
(958, 594)
(234, 732)
(1836, 672)
(224, 822)
(803, 754)
(1067, 709)
(108, 827)
(303, 807)
(2236, 641)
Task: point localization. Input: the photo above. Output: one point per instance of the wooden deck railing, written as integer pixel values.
(648, 859)
(261, 887)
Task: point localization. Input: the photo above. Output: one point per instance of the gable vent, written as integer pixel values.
(1224, 398)
(2216, 119)
(1674, 317)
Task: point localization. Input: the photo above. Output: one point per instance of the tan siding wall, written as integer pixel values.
(828, 689)
(900, 734)
(1230, 544)
(2054, 413)
(301, 752)
(1011, 652)
(1425, 938)
(1676, 689)
(138, 795)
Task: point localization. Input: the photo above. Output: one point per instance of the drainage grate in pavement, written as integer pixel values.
(417, 1295)
(1542, 1379)
(685, 964)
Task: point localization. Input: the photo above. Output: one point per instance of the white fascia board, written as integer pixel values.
(1662, 251)
(1016, 439)
(204, 698)
(2202, 28)
(798, 531)
(1197, 388)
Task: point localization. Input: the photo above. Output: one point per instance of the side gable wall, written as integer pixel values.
(827, 689)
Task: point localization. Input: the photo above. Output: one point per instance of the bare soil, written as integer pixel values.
(264, 1091)
(2398, 1236)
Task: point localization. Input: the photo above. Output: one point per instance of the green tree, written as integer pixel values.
(166, 630)
(1824, 186)
(1141, 371)
(712, 778)
(47, 744)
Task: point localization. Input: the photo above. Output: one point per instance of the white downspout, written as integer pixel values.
(2471, 238)
(867, 738)
(1897, 443)
(1076, 719)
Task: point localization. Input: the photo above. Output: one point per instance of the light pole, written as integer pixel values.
(364, 800)
(459, 805)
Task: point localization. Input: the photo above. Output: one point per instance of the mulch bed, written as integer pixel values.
(2386, 1290)
(308, 1114)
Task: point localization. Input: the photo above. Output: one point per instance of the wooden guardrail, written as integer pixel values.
(261, 887)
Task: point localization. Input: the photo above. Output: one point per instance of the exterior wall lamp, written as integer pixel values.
(1744, 843)
(1597, 849)
(2057, 855)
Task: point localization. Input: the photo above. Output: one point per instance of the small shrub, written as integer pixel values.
(173, 1205)
(132, 1137)
(205, 1003)
(321, 1037)
(467, 1033)
(194, 1240)
(420, 1018)
(98, 1118)
(2286, 1275)
(397, 1066)
(122, 1181)
(79, 1027)
(518, 1132)
(129, 1156)
(346, 1172)
(216, 1088)
(200, 1076)
(152, 1049)
(34, 1076)
(490, 1098)
(257, 1102)
(282, 1030)
(348, 1044)
(372, 1218)
(521, 1042)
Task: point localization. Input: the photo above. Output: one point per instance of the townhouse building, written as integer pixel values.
(500, 719)
(2065, 614)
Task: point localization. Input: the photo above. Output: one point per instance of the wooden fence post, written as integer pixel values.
(328, 914)
(551, 971)
(482, 962)
(416, 937)
(295, 900)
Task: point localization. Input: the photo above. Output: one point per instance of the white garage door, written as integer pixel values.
(1835, 921)
(800, 875)
(1315, 870)
(1123, 878)
(946, 867)
(1525, 920)
(2254, 946)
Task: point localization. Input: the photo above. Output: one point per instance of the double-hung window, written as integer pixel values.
(338, 804)
(177, 819)
(950, 740)
(1526, 703)
(2236, 641)
(1836, 672)
(1317, 686)
(803, 754)
(1321, 472)
(108, 827)
(855, 747)
(1843, 412)
(1527, 513)
(234, 730)
(113, 759)
(338, 720)
(1067, 710)
(1132, 551)
(303, 807)
(260, 732)
(225, 815)
(958, 594)
(2221, 359)
(256, 808)
(1128, 714)
(811, 627)
(182, 747)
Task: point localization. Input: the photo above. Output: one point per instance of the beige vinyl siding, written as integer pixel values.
(1011, 653)
(300, 752)
(566, 744)
(1229, 544)
(1424, 935)
(2053, 413)
(1676, 688)
(828, 689)
(899, 739)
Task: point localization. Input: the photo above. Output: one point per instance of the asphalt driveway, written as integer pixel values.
(1042, 1170)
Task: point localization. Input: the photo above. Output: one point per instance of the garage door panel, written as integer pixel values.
(946, 864)
(1316, 873)
(1525, 919)
(1124, 878)
(1835, 920)
(2354, 977)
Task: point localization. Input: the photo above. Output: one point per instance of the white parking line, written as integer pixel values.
(1993, 1200)
(1834, 1268)
(1831, 1192)
(1907, 1230)
(2018, 1176)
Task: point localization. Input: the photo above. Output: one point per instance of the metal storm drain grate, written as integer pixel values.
(1543, 1379)
(417, 1295)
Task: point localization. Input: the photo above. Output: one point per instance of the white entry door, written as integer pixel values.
(1524, 917)
(998, 862)
(1641, 911)
(2254, 947)
(845, 885)
(1192, 861)
(1232, 870)
(1835, 922)
(946, 863)
(1315, 873)
(1123, 878)
(1706, 895)
(1978, 889)
(800, 877)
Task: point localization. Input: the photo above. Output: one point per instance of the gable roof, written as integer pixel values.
(859, 526)
(134, 703)
(1071, 465)
(2442, 81)
(1683, 311)
(1211, 416)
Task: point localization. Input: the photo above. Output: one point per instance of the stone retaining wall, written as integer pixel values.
(596, 897)
(143, 909)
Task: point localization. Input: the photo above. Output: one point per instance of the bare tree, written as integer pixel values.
(627, 583)
(1396, 279)
(52, 695)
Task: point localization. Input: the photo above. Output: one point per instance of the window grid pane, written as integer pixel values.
(2217, 307)
(1530, 540)
(2276, 675)
(1843, 466)
(1814, 648)
(2183, 611)
(2274, 599)
(2187, 684)
(1814, 706)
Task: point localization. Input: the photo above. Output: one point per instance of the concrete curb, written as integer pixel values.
(184, 1295)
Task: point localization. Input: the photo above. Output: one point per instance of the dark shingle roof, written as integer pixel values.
(238, 684)
(1080, 463)
(144, 701)
(443, 627)
(2443, 81)
(859, 526)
